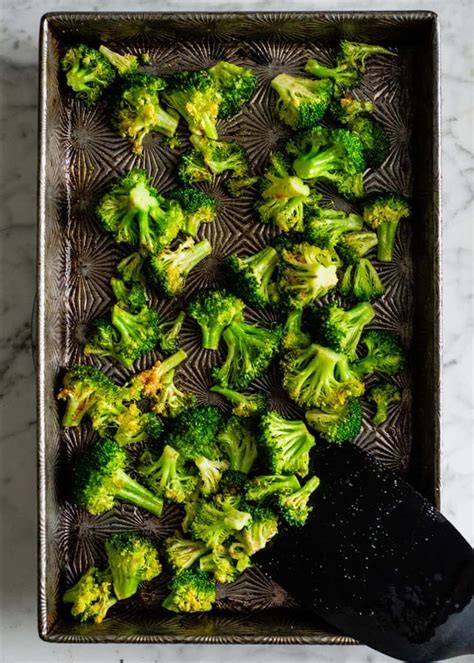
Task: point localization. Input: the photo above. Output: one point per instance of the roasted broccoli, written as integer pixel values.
(169, 269)
(346, 108)
(383, 395)
(192, 590)
(235, 186)
(196, 97)
(132, 560)
(197, 206)
(353, 246)
(91, 596)
(88, 73)
(134, 426)
(218, 519)
(131, 268)
(101, 479)
(137, 110)
(210, 472)
(150, 382)
(286, 444)
(319, 377)
(374, 139)
(341, 329)
(262, 528)
(302, 102)
(182, 553)
(294, 507)
(169, 332)
(214, 310)
(245, 405)
(251, 276)
(131, 297)
(221, 156)
(356, 53)
(339, 425)
(233, 482)
(194, 432)
(307, 273)
(222, 566)
(124, 64)
(238, 443)
(83, 386)
(383, 214)
(361, 281)
(269, 485)
(383, 354)
(325, 227)
(166, 475)
(192, 168)
(250, 349)
(294, 337)
(236, 86)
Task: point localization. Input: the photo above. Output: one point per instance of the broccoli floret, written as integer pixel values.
(353, 246)
(238, 443)
(286, 444)
(126, 337)
(374, 139)
(220, 156)
(83, 386)
(283, 196)
(341, 329)
(130, 297)
(251, 276)
(171, 400)
(210, 472)
(340, 425)
(149, 383)
(169, 269)
(326, 227)
(137, 110)
(236, 86)
(219, 562)
(250, 349)
(108, 410)
(182, 553)
(269, 485)
(132, 560)
(194, 432)
(294, 337)
(356, 53)
(135, 426)
(350, 186)
(233, 482)
(101, 479)
(131, 268)
(124, 64)
(319, 377)
(245, 405)
(361, 281)
(167, 476)
(192, 168)
(383, 354)
(88, 73)
(346, 108)
(217, 520)
(238, 553)
(197, 206)
(92, 596)
(135, 213)
(327, 154)
(192, 590)
(302, 102)
(235, 186)
(196, 97)
(262, 528)
(214, 310)
(383, 395)
(343, 75)
(307, 273)
(383, 214)
(169, 332)
(294, 507)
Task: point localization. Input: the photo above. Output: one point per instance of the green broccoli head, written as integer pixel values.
(131, 297)
(374, 139)
(169, 269)
(361, 282)
(341, 329)
(124, 64)
(383, 353)
(235, 84)
(355, 54)
(343, 75)
(132, 559)
(233, 482)
(194, 432)
(219, 519)
(191, 590)
(167, 476)
(319, 377)
(251, 276)
(295, 507)
(267, 486)
(262, 528)
(237, 440)
(214, 310)
(294, 336)
(383, 214)
(196, 97)
(221, 156)
(307, 273)
(137, 110)
(383, 395)
(192, 168)
(250, 350)
(152, 381)
(182, 553)
(354, 245)
(245, 405)
(345, 109)
(83, 387)
(286, 444)
(325, 227)
(92, 596)
(88, 73)
(223, 567)
(339, 425)
(134, 426)
(197, 207)
(210, 472)
(169, 332)
(302, 102)
(101, 479)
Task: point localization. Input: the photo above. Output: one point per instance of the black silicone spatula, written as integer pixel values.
(378, 562)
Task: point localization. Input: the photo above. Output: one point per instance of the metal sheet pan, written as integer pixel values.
(79, 156)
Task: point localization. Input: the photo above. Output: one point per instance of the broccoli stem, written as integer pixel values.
(170, 363)
(166, 123)
(386, 235)
(299, 498)
(312, 166)
(343, 78)
(130, 490)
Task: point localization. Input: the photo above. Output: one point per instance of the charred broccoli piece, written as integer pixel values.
(197, 206)
(383, 214)
(132, 560)
(221, 156)
(319, 377)
(361, 281)
(383, 354)
(294, 507)
(167, 476)
(286, 444)
(192, 590)
(262, 528)
(236, 86)
(194, 432)
(92, 596)
(354, 245)
(88, 73)
(192, 168)
(135, 426)
(83, 387)
(238, 443)
(169, 269)
(183, 553)
(326, 227)
(294, 337)
(214, 310)
(341, 329)
(124, 64)
(197, 99)
(251, 276)
(101, 479)
(245, 405)
(269, 485)
(169, 332)
(383, 395)
(223, 567)
(302, 102)
(339, 425)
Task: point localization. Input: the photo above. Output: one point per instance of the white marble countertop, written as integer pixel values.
(19, 642)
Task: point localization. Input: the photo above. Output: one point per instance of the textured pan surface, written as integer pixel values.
(80, 156)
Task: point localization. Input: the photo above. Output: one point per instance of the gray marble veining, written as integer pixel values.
(19, 642)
